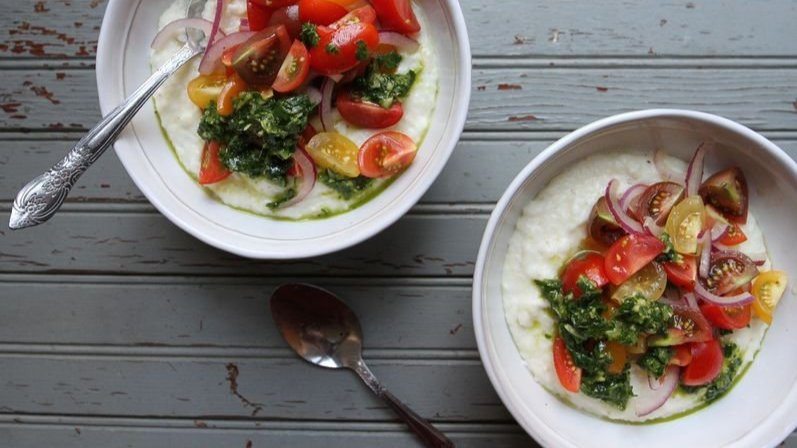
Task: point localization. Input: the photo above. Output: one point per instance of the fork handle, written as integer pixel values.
(431, 436)
(41, 198)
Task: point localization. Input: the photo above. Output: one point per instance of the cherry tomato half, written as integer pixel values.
(212, 170)
(294, 69)
(586, 263)
(365, 14)
(396, 15)
(569, 375)
(320, 12)
(706, 363)
(287, 16)
(205, 88)
(273, 4)
(682, 355)
(258, 15)
(683, 274)
(334, 151)
(259, 59)
(234, 86)
(733, 236)
(768, 288)
(385, 154)
(366, 114)
(727, 317)
(336, 51)
(629, 254)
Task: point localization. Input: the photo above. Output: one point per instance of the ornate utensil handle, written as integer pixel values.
(41, 198)
(431, 436)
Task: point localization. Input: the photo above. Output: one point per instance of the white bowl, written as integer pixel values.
(123, 63)
(761, 410)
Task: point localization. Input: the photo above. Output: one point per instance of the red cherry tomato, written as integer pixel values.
(629, 254)
(682, 355)
(294, 69)
(727, 317)
(212, 170)
(364, 14)
(288, 16)
(683, 274)
(257, 15)
(706, 363)
(569, 375)
(396, 15)
(733, 236)
(587, 263)
(366, 114)
(273, 4)
(385, 154)
(336, 51)
(320, 12)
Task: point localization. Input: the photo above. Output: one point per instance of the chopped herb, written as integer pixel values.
(730, 368)
(346, 187)
(309, 35)
(383, 88)
(362, 51)
(260, 136)
(388, 62)
(669, 253)
(332, 48)
(656, 360)
(613, 389)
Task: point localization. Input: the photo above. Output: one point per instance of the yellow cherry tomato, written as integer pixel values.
(204, 89)
(685, 223)
(649, 281)
(768, 288)
(335, 152)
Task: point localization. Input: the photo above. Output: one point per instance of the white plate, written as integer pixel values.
(762, 409)
(123, 64)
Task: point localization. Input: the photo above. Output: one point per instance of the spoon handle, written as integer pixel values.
(41, 198)
(430, 435)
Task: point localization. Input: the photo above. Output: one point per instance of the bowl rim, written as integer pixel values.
(775, 426)
(109, 76)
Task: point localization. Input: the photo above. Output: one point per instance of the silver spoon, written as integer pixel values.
(41, 198)
(325, 332)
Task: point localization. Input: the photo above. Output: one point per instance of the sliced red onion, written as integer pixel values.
(650, 225)
(314, 95)
(244, 26)
(308, 173)
(626, 222)
(758, 258)
(212, 40)
(336, 78)
(721, 247)
(401, 42)
(327, 88)
(694, 174)
(705, 255)
(665, 170)
(671, 298)
(631, 194)
(172, 28)
(691, 300)
(739, 299)
(719, 230)
(211, 63)
(654, 396)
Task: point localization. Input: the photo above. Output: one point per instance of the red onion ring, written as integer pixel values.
(718, 231)
(691, 301)
(308, 173)
(327, 88)
(213, 32)
(314, 95)
(694, 174)
(211, 63)
(739, 299)
(400, 41)
(651, 398)
(705, 255)
(665, 171)
(632, 193)
(168, 31)
(758, 258)
(721, 247)
(626, 222)
(652, 228)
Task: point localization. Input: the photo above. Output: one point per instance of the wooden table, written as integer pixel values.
(117, 329)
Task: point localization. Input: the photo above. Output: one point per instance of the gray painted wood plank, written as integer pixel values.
(132, 243)
(478, 171)
(74, 433)
(48, 29)
(540, 99)
(286, 388)
(198, 313)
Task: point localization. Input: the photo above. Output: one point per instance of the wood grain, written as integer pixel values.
(649, 28)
